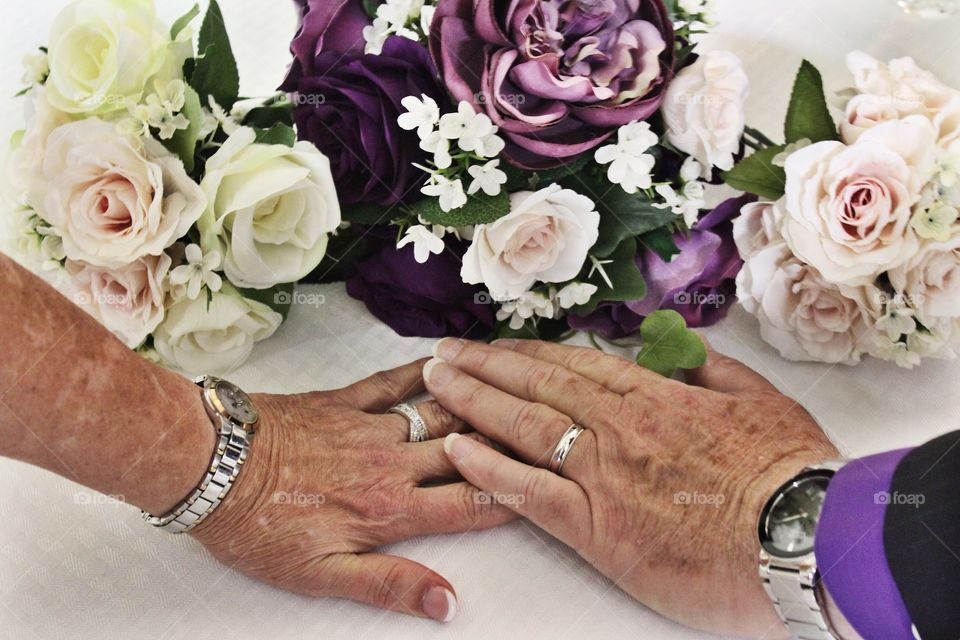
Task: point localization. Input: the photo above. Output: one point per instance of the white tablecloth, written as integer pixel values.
(74, 566)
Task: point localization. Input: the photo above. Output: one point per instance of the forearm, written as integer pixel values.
(76, 401)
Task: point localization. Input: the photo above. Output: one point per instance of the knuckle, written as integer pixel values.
(540, 377)
(529, 416)
(532, 483)
(387, 590)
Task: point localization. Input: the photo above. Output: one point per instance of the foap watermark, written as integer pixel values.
(100, 299)
(299, 298)
(299, 499)
(502, 499)
(901, 499)
(700, 299)
(899, 299)
(308, 99)
(512, 99)
(698, 499)
(92, 498)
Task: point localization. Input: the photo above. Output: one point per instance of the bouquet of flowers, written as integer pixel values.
(517, 168)
(855, 248)
(176, 214)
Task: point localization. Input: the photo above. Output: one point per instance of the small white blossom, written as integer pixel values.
(424, 241)
(450, 192)
(696, 7)
(630, 165)
(440, 148)
(935, 222)
(160, 110)
(528, 305)
(199, 270)
(898, 352)
(487, 177)
(686, 204)
(375, 35)
(470, 129)
(898, 321)
(948, 166)
(422, 114)
(576, 293)
(691, 170)
(36, 68)
(393, 17)
(426, 17)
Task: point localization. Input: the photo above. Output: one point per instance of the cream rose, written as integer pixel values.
(864, 112)
(704, 109)
(801, 314)
(215, 337)
(848, 208)
(26, 160)
(111, 199)
(930, 281)
(910, 89)
(128, 301)
(271, 210)
(545, 237)
(103, 53)
(757, 226)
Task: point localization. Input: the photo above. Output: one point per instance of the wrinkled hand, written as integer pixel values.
(330, 477)
(662, 492)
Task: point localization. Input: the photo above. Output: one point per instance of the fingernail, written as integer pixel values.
(440, 604)
(448, 348)
(437, 372)
(458, 447)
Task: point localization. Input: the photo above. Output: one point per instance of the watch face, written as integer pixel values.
(789, 522)
(235, 403)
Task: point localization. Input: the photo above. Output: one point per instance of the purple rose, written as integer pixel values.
(325, 25)
(557, 77)
(699, 283)
(348, 107)
(424, 300)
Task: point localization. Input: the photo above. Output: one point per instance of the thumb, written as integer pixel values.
(726, 375)
(391, 582)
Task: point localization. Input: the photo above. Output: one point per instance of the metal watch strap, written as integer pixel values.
(233, 444)
(794, 594)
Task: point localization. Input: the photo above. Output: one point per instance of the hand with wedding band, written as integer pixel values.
(657, 483)
(333, 475)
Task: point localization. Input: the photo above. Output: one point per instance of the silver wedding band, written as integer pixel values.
(418, 428)
(562, 450)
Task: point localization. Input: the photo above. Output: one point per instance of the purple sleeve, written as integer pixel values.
(850, 552)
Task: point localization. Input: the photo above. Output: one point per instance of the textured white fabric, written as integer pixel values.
(72, 566)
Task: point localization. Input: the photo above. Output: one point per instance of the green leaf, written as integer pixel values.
(183, 21)
(758, 175)
(366, 213)
(623, 215)
(661, 242)
(184, 141)
(267, 115)
(628, 282)
(370, 7)
(277, 134)
(215, 71)
(669, 345)
(808, 115)
(279, 298)
(480, 209)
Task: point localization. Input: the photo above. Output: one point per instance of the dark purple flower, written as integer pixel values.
(425, 300)
(557, 77)
(699, 283)
(348, 106)
(325, 25)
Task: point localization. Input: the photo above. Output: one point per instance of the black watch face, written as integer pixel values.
(789, 521)
(235, 403)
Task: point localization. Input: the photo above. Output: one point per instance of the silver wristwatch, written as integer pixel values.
(234, 418)
(788, 566)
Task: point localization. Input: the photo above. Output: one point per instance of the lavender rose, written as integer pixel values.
(325, 25)
(426, 300)
(348, 107)
(699, 283)
(557, 77)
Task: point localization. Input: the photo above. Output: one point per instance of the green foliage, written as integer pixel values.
(278, 110)
(623, 216)
(479, 209)
(808, 115)
(661, 242)
(183, 21)
(366, 213)
(628, 282)
(279, 298)
(277, 134)
(669, 345)
(758, 175)
(214, 72)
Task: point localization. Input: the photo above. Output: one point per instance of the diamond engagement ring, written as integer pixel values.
(562, 450)
(418, 428)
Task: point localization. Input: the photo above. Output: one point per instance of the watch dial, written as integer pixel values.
(236, 403)
(792, 520)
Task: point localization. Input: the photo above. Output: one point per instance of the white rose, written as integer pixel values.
(271, 209)
(545, 237)
(911, 90)
(111, 199)
(864, 112)
(30, 149)
(930, 281)
(801, 314)
(214, 337)
(848, 208)
(704, 108)
(757, 226)
(128, 301)
(947, 122)
(105, 52)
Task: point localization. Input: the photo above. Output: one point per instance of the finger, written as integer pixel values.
(439, 421)
(556, 505)
(389, 582)
(427, 462)
(456, 508)
(384, 389)
(530, 429)
(525, 377)
(726, 375)
(613, 372)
